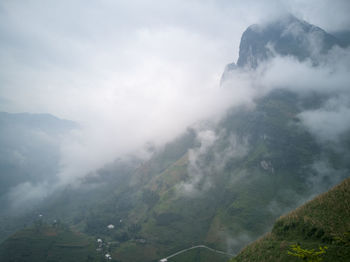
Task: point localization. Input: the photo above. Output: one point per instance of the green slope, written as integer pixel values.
(43, 243)
(323, 221)
(241, 203)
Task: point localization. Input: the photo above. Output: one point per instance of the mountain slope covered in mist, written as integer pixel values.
(289, 37)
(221, 183)
(29, 156)
(29, 151)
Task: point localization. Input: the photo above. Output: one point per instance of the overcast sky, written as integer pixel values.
(66, 57)
(130, 71)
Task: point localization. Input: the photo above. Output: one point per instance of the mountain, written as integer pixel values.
(287, 36)
(29, 155)
(343, 36)
(220, 184)
(323, 221)
(222, 187)
(28, 147)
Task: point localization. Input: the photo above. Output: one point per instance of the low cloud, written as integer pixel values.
(325, 175)
(26, 195)
(329, 77)
(330, 122)
(208, 159)
(234, 244)
(131, 76)
(198, 175)
(330, 80)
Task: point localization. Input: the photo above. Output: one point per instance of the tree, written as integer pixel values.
(309, 255)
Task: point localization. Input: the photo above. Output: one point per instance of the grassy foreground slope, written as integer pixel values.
(324, 221)
(48, 243)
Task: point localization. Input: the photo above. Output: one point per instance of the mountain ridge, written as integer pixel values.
(284, 36)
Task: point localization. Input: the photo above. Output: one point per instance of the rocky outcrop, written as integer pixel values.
(286, 36)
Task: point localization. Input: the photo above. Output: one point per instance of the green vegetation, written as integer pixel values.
(307, 255)
(322, 224)
(259, 167)
(54, 243)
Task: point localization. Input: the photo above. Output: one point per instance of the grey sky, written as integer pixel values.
(53, 49)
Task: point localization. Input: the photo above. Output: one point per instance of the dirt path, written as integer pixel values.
(194, 247)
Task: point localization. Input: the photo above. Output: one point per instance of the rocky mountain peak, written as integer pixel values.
(285, 36)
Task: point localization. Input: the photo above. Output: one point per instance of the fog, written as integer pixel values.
(138, 72)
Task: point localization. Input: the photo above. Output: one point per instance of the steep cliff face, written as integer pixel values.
(286, 36)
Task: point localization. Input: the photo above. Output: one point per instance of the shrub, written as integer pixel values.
(309, 255)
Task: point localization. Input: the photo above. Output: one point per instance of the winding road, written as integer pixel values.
(194, 247)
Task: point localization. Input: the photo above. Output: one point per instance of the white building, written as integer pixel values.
(110, 226)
